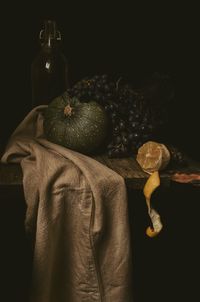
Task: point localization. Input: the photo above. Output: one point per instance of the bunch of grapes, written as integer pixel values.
(133, 120)
(98, 88)
(178, 158)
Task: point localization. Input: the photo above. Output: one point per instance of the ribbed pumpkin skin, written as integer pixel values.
(84, 130)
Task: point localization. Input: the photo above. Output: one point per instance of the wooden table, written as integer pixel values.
(128, 168)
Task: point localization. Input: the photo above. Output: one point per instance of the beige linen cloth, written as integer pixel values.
(77, 214)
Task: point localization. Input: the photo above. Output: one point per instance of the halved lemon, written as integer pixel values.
(153, 156)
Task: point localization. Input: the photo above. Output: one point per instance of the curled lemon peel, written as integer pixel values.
(151, 185)
(150, 232)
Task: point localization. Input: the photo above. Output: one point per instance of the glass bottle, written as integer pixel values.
(49, 70)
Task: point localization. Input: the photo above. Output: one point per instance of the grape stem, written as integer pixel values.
(117, 83)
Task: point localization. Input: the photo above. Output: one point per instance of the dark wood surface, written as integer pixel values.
(10, 174)
(128, 168)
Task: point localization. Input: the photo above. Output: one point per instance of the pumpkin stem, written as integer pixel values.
(68, 110)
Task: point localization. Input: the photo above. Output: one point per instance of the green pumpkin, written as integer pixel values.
(82, 127)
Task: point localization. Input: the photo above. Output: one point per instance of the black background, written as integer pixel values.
(98, 37)
(130, 41)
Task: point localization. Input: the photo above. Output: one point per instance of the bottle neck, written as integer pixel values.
(49, 36)
(49, 44)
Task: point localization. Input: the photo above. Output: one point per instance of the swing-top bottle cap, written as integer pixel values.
(50, 31)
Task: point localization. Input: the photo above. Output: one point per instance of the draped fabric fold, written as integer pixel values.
(77, 214)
